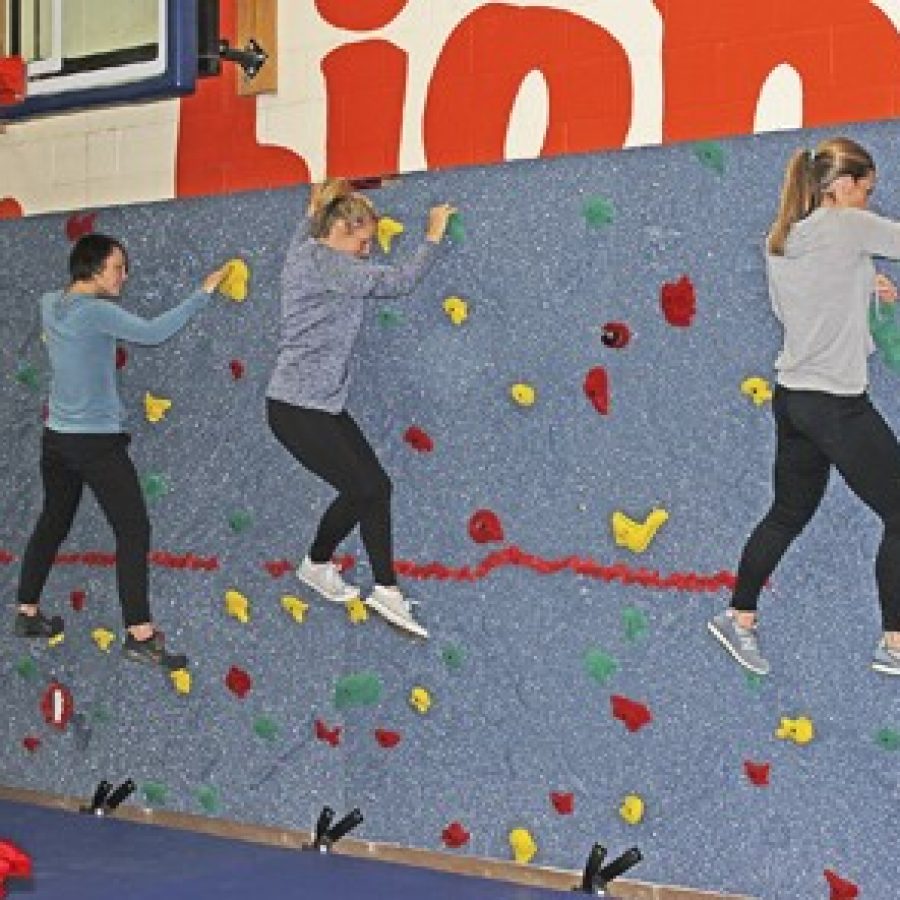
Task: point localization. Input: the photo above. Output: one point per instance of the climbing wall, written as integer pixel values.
(573, 407)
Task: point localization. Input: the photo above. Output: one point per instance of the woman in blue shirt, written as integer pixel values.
(84, 444)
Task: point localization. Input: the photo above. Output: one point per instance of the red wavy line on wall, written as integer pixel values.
(217, 150)
(104, 560)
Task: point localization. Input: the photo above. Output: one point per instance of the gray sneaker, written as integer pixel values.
(393, 606)
(741, 643)
(326, 579)
(886, 660)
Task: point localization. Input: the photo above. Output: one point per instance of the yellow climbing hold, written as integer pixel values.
(237, 277)
(103, 638)
(757, 389)
(181, 679)
(420, 700)
(523, 846)
(457, 310)
(294, 607)
(56, 640)
(636, 536)
(156, 408)
(356, 611)
(523, 394)
(237, 606)
(632, 809)
(800, 731)
(388, 229)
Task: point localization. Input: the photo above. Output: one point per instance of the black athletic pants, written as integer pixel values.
(815, 432)
(100, 461)
(332, 447)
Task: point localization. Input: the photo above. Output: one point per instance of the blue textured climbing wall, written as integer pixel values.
(518, 710)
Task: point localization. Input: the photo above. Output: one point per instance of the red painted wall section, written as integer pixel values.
(718, 53)
(365, 114)
(481, 69)
(360, 15)
(217, 149)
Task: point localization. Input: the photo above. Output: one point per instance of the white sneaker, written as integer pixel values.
(326, 579)
(390, 603)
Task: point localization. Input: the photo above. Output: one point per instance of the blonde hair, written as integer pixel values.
(807, 179)
(335, 201)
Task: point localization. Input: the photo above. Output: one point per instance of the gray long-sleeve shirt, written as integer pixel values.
(821, 289)
(323, 293)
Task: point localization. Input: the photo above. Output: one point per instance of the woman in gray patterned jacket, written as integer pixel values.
(326, 280)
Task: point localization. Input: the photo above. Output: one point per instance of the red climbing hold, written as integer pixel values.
(841, 889)
(455, 835)
(278, 567)
(237, 369)
(635, 715)
(596, 388)
(563, 802)
(615, 335)
(238, 682)
(758, 773)
(31, 743)
(57, 705)
(387, 739)
(121, 357)
(418, 439)
(484, 527)
(77, 599)
(331, 736)
(679, 302)
(79, 225)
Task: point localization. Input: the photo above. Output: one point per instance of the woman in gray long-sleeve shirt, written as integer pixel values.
(326, 281)
(821, 282)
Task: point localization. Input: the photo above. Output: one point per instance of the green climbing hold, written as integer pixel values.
(454, 657)
(634, 622)
(154, 486)
(888, 739)
(455, 229)
(239, 521)
(265, 728)
(208, 798)
(362, 689)
(100, 714)
(598, 212)
(754, 680)
(27, 375)
(711, 155)
(27, 668)
(390, 318)
(599, 665)
(154, 793)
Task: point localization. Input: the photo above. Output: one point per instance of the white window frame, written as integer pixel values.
(111, 77)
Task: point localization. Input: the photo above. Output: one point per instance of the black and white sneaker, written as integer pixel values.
(38, 626)
(153, 652)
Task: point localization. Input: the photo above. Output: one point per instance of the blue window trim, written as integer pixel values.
(179, 78)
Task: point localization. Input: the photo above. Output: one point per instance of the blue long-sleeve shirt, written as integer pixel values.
(323, 293)
(81, 331)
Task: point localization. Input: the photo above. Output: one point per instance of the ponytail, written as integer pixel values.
(799, 197)
(334, 201)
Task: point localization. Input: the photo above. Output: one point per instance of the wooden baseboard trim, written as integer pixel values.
(494, 869)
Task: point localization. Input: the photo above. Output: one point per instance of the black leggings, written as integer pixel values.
(815, 432)
(101, 461)
(332, 447)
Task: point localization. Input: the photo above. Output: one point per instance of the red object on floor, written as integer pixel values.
(14, 863)
(12, 80)
(563, 802)
(484, 527)
(238, 682)
(841, 889)
(455, 835)
(635, 715)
